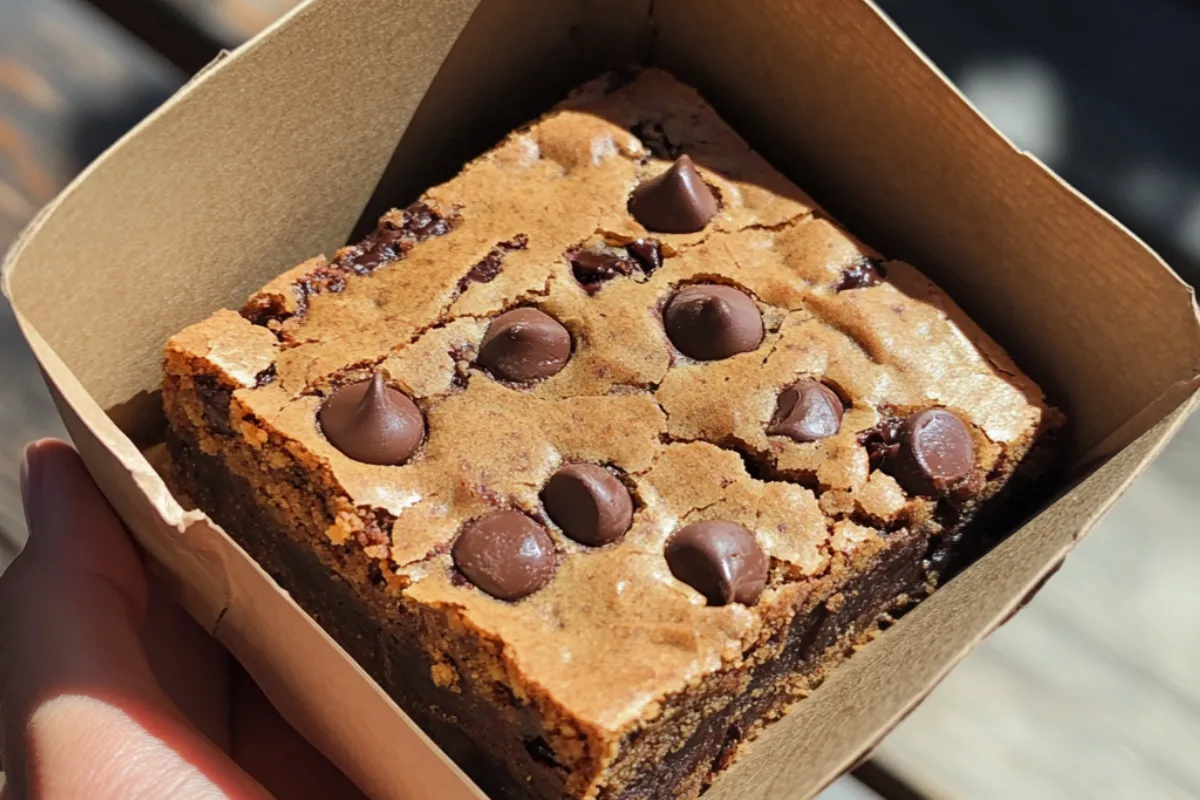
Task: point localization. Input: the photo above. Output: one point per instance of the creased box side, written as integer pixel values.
(491, 83)
(872, 692)
(265, 159)
(834, 94)
(294, 661)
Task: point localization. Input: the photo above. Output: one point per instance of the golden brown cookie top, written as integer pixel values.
(625, 285)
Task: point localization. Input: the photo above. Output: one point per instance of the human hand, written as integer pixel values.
(108, 688)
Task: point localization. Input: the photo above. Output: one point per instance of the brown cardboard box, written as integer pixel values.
(272, 154)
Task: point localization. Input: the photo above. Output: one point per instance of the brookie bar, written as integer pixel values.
(606, 451)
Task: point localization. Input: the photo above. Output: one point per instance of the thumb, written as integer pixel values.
(83, 715)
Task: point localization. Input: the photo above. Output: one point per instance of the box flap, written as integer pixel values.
(837, 97)
(491, 84)
(228, 593)
(265, 159)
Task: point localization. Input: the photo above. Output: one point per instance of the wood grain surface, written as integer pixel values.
(71, 82)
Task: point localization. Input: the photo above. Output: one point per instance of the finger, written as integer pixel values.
(192, 668)
(271, 750)
(83, 713)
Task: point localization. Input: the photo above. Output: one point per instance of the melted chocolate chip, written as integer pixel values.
(525, 345)
(677, 201)
(216, 398)
(861, 274)
(266, 376)
(373, 254)
(422, 222)
(371, 422)
(721, 560)
(490, 265)
(392, 240)
(807, 411)
(506, 554)
(710, 322)
(593, 267)
(648, 253)
(935, 455)
(589, 504)
(880, 442)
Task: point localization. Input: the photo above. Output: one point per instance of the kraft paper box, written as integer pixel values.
(277, 152)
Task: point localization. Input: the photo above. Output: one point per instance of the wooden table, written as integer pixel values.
(71, 82)
(1089, 692)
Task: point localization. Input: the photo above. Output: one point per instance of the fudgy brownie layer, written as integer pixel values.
(372, 626)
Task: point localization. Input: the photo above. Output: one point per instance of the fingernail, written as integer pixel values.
(33, 478)
(28, 461)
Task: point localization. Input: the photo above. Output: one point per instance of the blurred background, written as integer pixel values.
(1091, 692)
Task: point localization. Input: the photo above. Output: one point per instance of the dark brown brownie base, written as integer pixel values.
(389, 653)
(512, 760)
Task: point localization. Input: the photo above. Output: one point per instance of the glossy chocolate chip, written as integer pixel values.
(861, 274)
(881, 442)
(373, 423)
(524, 345)
(678, 201)
(589, 504)
(709, 322)
(935, 455)
(807, 411)
(593, 267)
(721, 560)
(506, 554)
(647, 252)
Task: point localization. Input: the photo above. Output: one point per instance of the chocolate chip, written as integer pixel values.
(861, 274)
(678, 201)
(506, 554)
(374, 254)
(525, 345)
(371, 422)
(721, 560)
(648, 253)
(594, 263)
(710, 322)
(486, 270)
(593, 267)
(266, 376)
(421, 222)
(216, 399)
(880, 442)
(807, 411)
(936, 453)
(589, 504)
(391, 240)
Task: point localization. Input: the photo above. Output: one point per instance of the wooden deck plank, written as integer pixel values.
(71, 82)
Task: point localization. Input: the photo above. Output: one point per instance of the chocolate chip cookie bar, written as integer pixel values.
(604, 453)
